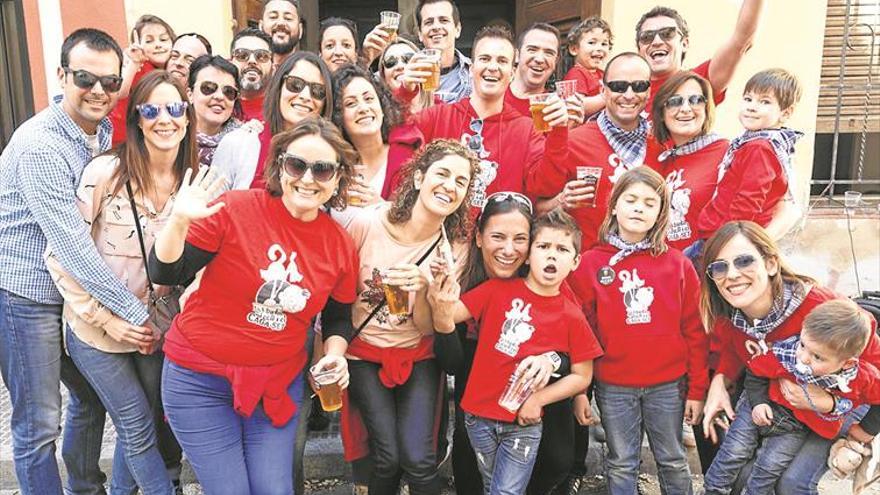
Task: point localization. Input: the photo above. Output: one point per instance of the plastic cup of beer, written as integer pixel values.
(359, 177)
(537, 103)
(390, 21)
(566, 88)
(396, 298)
(431, 55)
(329, 391)
(591, 176)
(515, 393)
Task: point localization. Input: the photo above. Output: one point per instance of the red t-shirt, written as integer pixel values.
(701, 70)
(750, 189)
(589, 82)
(271, 274)
(647, 319)
(117, 115)
(521, 105)
(692, 180)
(516, 323)
(252, 108)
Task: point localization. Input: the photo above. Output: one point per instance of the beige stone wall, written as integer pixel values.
(210, 18)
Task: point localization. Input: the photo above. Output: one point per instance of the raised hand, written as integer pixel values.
(416, 72)
(556, 112)
(193, 197)
(135, 51)
(375, 43)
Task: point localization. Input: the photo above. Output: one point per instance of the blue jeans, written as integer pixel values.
(229, 453)
(625, 411)
(773, 448)
(120, 379)
(506, 453)
(33, 364)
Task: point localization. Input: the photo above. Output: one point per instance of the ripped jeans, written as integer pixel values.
(506, 453)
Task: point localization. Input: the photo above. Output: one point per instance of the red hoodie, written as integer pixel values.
(403, 141)
(647, 319)
(589, 82)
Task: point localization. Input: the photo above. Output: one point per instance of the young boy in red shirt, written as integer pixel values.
(825, 353)
(519, 319)
(589, 44)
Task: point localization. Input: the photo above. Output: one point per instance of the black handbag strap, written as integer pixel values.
(382, 303)
(140, 234)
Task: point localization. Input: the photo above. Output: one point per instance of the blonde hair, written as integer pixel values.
(841, 325)
(656, 236)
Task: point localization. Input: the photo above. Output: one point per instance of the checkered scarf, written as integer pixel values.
(782, 140)
(793, 294)
(690, 147)
(626, 248)
(786, 352)
(630, 146)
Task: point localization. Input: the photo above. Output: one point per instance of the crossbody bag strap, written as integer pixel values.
(140, 234)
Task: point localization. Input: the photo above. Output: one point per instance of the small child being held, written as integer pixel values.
(826, 353)
(589, 44)
(519, 319)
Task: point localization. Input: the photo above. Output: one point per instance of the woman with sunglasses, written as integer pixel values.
(128, 195)
(273, 259)
(749, 299)
(300, 88)
(392, 63)
(213, 91)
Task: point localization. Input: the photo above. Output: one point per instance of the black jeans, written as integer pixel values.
(400, 422)
(556, 451)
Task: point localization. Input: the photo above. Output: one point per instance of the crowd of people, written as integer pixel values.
(195, 244)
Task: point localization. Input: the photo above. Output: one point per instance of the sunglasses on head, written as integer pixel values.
(242, 55)
(150, 111)
(718, 269)
(677, 101)
(391, 61)
(297, 85)
(666, 34)
(510, 196)
(622, 86)
(84, 79)
(475, 143)
(208, 88)
(295, 166)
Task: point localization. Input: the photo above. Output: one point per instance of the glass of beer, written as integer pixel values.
(591, 176)
(515, 393)
(431, 55)
(358, 177)
(390, 21)
(396, 298)
(328, 391)
(537, 103)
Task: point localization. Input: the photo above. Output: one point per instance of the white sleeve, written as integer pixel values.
(236, 159)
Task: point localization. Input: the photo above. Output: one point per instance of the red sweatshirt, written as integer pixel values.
(521, 105)
(253, 108)
(403, 141)
(583, 146)
(589, 82)
(692, 180)
(750, 189)
(647, 319)
(701, 70)
(117, 115)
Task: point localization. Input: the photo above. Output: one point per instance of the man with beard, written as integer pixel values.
(282, 22)
(439, 26)
(251, 53)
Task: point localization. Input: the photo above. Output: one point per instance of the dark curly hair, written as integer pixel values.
(392, 113)
(458, 222)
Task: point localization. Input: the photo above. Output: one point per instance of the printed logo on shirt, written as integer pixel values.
(636, 297)
(516, 329)
(487, 170)
(679, 205)
(620, 167)
(279, 293)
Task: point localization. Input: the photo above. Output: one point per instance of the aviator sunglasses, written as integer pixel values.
(84, 79)
(676, 101)
(718, 269)
(391, 61)
(666, 34)
(622, 86)
(150, 111)
(295, 166)
(208, 88)
(297, 85)
(242, 55)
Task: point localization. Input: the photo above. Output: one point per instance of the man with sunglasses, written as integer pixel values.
(251, 52)
(39, 172)
(662, 39)
(282, 22)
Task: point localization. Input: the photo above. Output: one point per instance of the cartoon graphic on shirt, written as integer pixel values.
(488, 170)
(279, 293)
(620, 167)
(636, 297)
(679, 205)
(516, 328)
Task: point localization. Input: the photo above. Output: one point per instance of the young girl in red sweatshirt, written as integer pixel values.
(642, 300)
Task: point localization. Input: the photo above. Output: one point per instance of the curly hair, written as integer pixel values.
(458, 222)
(392, 114)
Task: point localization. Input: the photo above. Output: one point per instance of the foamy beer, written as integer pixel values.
(537, 103)
(397, 299)
(358, 176)
(591, 176)
(329, 391)
(431, 55)
(390, 21)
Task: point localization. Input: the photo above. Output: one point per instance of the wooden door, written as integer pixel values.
(563, 14)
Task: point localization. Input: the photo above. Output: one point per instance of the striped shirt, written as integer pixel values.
(39, 172)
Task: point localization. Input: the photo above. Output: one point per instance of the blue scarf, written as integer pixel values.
(630, 146)
(782, 140)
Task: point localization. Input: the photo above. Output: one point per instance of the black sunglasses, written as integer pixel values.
(243, 55)
(208, 88)
(297, 85)
(84, 79)
(294, 166)
(150, 111)
(717, 270)
(677, 101)
(666, 34)
(475, 143)
(622, 86)
(391, 61)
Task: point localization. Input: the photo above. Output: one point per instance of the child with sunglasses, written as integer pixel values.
(826, 353)
(641, 299)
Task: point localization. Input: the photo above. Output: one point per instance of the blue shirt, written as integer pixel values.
(455, 84)
(39, 172)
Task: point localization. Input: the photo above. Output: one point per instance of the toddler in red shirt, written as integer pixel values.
(825, 353)
(589, 44)
(519, 320)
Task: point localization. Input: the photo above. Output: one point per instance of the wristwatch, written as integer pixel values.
(555, 359)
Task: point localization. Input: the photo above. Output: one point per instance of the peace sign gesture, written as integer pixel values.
(134, 51)
(193, 197)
